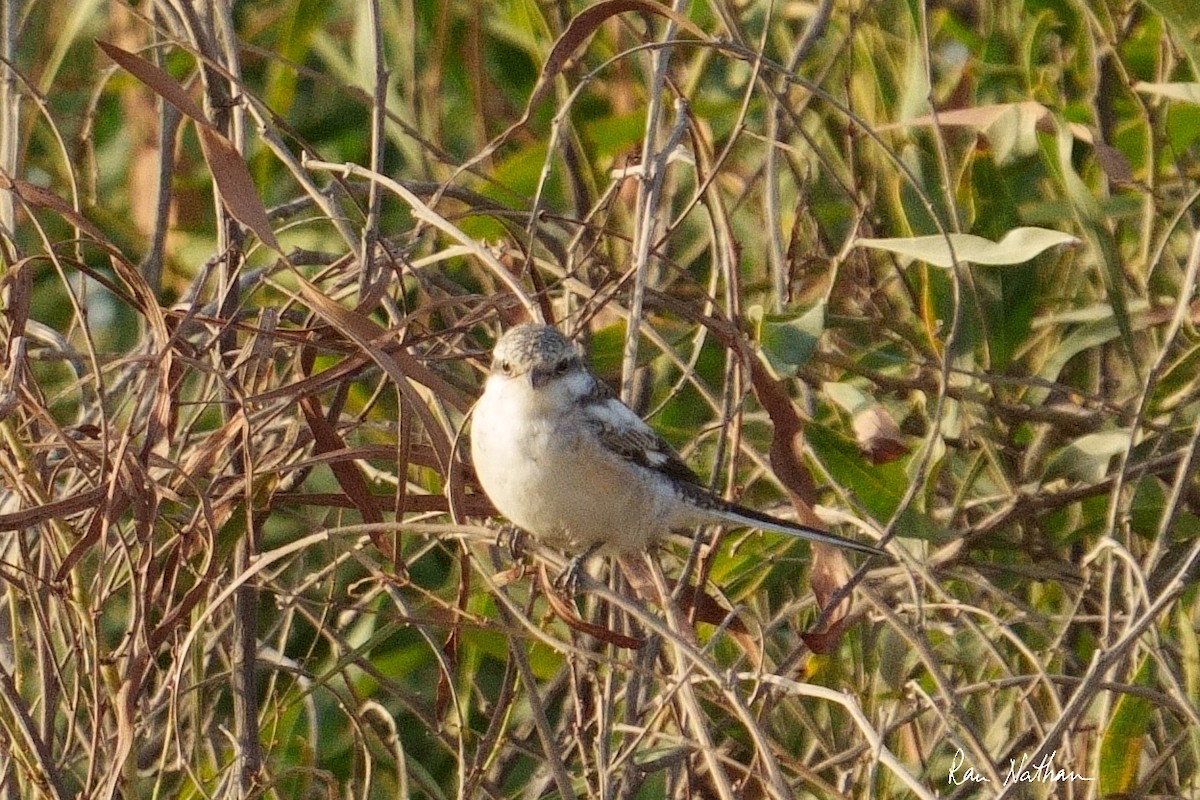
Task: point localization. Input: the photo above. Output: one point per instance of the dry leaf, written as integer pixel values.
(878, 435)
(830, 572)
(226, 164)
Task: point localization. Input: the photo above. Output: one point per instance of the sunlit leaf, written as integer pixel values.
(1017, 247)
(1090, 217)
(1011, 128)
(788, 340)
(1125, 736)
(1088, 457)
(1187, 92)
(875, 430)
(879, 488)
(1184, 24)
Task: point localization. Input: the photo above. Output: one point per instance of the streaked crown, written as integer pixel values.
(532, 346)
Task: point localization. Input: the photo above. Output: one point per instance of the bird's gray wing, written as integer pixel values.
(624, 434)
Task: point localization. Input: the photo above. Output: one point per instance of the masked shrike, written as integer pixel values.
(563, 458)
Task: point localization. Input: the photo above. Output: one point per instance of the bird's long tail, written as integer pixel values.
(749, 518)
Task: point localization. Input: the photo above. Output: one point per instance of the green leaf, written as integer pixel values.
(298, 25)
(1184, 25)
(1125, 736)
(1017, 247)
(606, 349)
(1090, 218)
(1190, 661)
(879, 488)
(1087, 458)
(851, 400)
(788, 340)
(1178, 382)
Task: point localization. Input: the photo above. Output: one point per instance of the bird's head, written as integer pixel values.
(535, 353)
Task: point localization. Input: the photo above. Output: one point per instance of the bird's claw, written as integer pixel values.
(512, 539)
(567, 581)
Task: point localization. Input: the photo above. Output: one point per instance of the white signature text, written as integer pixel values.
(1018, 772)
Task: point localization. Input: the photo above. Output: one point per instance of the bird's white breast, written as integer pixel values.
(544, 469)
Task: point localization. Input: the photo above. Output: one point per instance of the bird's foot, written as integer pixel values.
(567, 581)
(512, 539)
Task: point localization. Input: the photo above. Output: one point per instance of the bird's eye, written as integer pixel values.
(561, 367)
(505, 367)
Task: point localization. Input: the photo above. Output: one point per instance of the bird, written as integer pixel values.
(564, 459)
